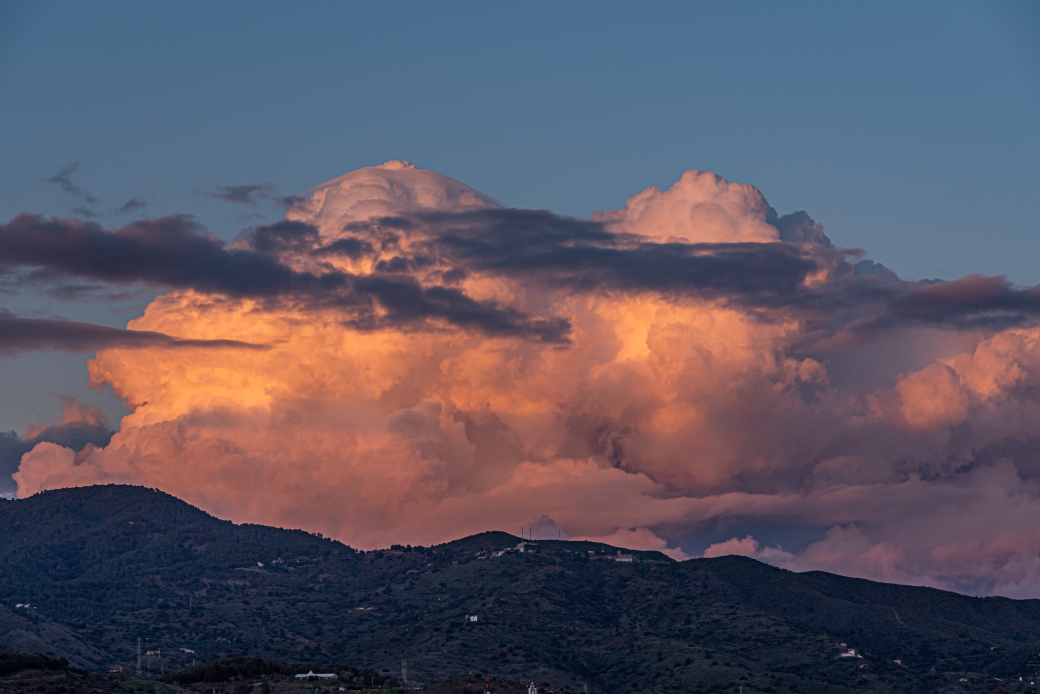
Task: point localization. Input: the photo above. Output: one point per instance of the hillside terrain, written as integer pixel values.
(85, 573)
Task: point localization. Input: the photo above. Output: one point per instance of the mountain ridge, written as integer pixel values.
(101, 566)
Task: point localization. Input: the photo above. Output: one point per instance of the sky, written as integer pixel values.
(589, 304)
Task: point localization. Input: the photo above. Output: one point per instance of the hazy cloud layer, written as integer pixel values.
(20, 334)
(437, 364)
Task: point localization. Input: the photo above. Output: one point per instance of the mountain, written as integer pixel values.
(86, 572)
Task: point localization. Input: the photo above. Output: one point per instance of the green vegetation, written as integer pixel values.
(15, 662)
(242, 668)
(101, 567)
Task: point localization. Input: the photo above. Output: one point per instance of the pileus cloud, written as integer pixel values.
(437, 364)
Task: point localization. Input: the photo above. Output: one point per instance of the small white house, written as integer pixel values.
(317, 675)
(851, 653)
(472, 618)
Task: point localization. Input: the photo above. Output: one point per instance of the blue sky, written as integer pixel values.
(907, 129)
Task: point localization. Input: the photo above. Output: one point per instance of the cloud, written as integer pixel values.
(702, 207)
(798, 227)
(132, 205)
(19, 334)
(241, 195)
(80, 426)
(747, 547)
(401, 269)
(642, 539)
(689, 374)
(173, 251)
(177, 252)
(63, 179)
(974, 535)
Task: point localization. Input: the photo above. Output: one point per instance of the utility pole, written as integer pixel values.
(138, 656)
(404, 671)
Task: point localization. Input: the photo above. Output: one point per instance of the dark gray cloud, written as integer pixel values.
(172, 251)
(242, 195)
(858, 300)
(349, 247)
(409, 302)
(798, 227)
(582, 255)
(177, 252)
(19, 334)
(132, 205)
(63, 179)
(282, 236)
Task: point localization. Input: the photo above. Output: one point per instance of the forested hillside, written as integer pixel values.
(86, 572)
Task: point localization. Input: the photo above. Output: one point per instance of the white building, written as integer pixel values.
(317, 675)
(623, 557)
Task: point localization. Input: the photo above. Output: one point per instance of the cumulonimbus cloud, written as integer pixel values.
(80, 427)
(438, 364)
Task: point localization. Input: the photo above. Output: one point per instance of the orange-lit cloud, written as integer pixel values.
(435, 364)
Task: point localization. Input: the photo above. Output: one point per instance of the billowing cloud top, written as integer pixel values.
(701, 207)
(393, 188)
(404, 359)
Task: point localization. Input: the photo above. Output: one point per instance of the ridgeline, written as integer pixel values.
(85, 573)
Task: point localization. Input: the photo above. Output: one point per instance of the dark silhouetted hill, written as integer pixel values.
(100, 567)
